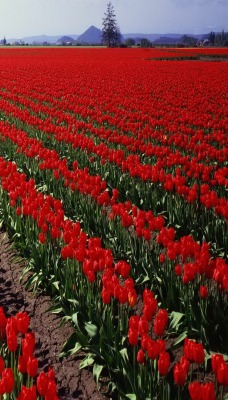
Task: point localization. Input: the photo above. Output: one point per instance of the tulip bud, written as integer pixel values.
(163, 363)
(141, 357)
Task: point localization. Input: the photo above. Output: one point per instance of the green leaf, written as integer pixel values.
(124, 337)
(75, 319)
(34, 281)
(158, 279)
(131, 396)
(177, 226)
(142, 279)
(56, 284)
(175, 318)
(65, 319)
(71, 346)
(25, 271)
(74, 301)
(88, 360)
(124, 354)
(112, 386)
(56, 309)
(180, 338)
(91, 329)
(97, 369)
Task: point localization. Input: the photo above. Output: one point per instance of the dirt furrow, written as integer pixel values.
(72, 382)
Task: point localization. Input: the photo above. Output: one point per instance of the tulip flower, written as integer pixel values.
(195, 391)
(8, 378)
(42, 383)
(179, 374)
(27, 393)
(2, 364)
(32, 366)
(203, 292)
(141, 357)
(23, 322)
(133, 337)
(3, 321)
(160, 322)
(163, 363)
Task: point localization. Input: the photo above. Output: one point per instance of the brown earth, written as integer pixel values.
(72, 382)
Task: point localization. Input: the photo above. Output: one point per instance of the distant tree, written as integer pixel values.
(4, 41)
(211, 37)
(188, 41)
(111, 36)
(144, 42)
(130, 42)
(221, 38)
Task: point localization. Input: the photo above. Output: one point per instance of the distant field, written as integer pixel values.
(113, 183)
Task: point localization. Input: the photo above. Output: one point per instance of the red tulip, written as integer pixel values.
(8, 378)
(42, 383)
(208, 391)
(27, 393)
(149, 309)
(42, 238)
(23, 321)
(22, 364)
(195, 391)
(203, 292)
(2, 364)
(12, 341)
(3, 321)
(28, 345)
(160, 322)
(32, 366)
(141, 357)
(153, 349)
(222, 374)
(2, 387)
(216, 361)
(163, 363)
(179, 375)
(133, 337)
(198, 353)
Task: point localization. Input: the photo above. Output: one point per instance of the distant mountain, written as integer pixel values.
(40, 39)
(166, 40)
(152, 37)
(91, 36)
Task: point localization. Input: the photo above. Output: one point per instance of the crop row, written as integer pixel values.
(162, 184)
(135, 264)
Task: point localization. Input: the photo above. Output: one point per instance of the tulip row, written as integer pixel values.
(82, 273)
(192, 169)
(19, 375)
(138, 326)
(206, 196)
(121, 267)
(88, 253)
(123, 133)
(93, 112)
(93, 186)
(185, 257)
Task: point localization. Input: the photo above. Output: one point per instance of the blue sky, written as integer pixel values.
(19, 18)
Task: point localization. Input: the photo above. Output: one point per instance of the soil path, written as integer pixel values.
(72, 382)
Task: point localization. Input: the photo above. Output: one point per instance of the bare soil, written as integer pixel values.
(72, 382)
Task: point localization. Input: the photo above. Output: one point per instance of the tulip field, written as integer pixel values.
(113, 185)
